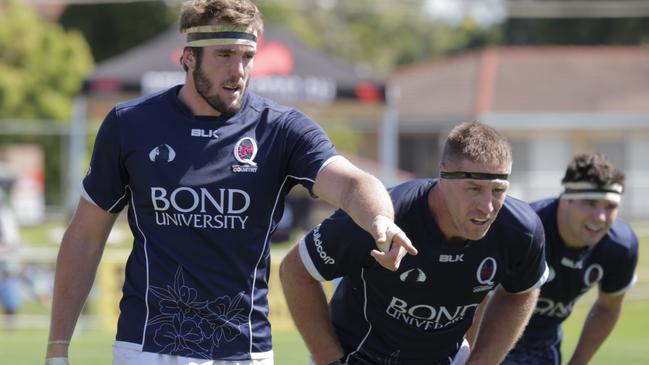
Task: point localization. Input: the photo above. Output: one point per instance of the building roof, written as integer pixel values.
(285, 70)
(526, 80)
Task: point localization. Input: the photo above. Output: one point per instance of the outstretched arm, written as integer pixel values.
(81, 249)
(308, 306)
(600, 322)
(503, 321)
(365, 199)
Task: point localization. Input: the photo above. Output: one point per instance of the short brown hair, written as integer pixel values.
(594, 168)
(196, 13)
(476, 142)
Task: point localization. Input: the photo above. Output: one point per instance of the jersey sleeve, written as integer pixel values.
(309, 149)
(105, 184)
(529, 270)
(620, 276)
(336, 247)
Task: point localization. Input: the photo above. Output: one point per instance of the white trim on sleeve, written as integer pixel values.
(330, 160)
(86, 196)
(539, 283)
(625, 289)
(306, 260)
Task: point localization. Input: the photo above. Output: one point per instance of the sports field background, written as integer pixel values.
(628, 345)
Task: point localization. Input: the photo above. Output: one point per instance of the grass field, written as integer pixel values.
(27, 347)
(628, 345)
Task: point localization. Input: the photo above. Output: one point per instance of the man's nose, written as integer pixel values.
(239, 66)
(485, 203)
(600, 214)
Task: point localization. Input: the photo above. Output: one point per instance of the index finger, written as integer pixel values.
(400, 239)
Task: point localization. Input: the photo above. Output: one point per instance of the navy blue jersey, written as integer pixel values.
(204, 195)
(419, 314)
(610, 264)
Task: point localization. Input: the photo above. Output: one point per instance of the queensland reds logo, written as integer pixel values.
(487, 271)
(593, 274)
(245, 151)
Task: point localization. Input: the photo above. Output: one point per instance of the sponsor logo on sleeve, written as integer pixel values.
(317, 241)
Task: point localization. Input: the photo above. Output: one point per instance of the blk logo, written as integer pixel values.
(451, 258)
(162, 153)
(204, 133)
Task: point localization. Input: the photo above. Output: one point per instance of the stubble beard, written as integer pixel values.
(203, 87)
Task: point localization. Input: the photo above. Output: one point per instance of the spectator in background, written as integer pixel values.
(9, 263)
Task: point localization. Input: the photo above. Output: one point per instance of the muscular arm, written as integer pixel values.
(76, 265)
(502, 324)
(365, 199)
(600, 322)
(472, 333)
(308, 306)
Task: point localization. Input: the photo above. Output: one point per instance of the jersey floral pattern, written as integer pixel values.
(188, 326)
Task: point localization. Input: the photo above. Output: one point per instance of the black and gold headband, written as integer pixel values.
(214, 35)
(455, 175)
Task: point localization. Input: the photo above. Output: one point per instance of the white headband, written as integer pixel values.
(578, 190)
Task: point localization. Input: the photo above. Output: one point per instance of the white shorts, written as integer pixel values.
(126, 353)
(462, 354)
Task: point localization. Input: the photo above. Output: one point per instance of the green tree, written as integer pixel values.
(375, 36)
(42, 67)
(122, 25)
(568, 31)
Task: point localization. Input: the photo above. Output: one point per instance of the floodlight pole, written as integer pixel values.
(389, 136)
(76, 152)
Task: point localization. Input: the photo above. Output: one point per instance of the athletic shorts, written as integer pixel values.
(535, 353)
(361, 358)
(125, 353)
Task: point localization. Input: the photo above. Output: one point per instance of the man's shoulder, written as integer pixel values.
(260, 105)
(405, 194)
(620, 236)
(518, 216)
(143, 101)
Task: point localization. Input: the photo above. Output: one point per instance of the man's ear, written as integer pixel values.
(189, 59)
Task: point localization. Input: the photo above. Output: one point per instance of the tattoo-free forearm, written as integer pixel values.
(598, 325)
(503, 321)
(308, 306)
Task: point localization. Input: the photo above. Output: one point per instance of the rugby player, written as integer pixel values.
(203, 169)
(587, 245)
(471, 238)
